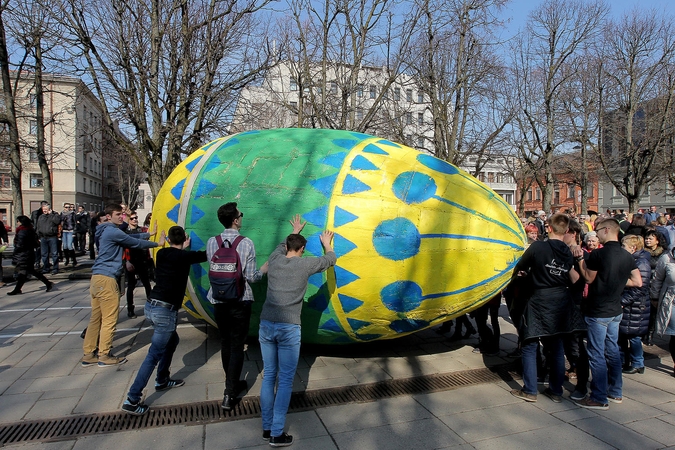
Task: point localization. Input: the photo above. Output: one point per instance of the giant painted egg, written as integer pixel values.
(418, 240)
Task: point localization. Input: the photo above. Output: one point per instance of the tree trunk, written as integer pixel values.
(40, 118)
(10, 120)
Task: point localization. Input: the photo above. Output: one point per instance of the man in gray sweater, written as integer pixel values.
(279, 334)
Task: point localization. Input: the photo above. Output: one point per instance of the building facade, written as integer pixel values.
(75, 145)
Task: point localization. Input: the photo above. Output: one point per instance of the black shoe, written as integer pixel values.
(137, 409)
(284, 440)
(131, 314)
(50, 286)
(84, 333)
(266, 435)
(632, 370)
(14, 292)
(227, 403)
(169, 384)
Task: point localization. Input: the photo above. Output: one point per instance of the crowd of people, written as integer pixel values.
(591, 290)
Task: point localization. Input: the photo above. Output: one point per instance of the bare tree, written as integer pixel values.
(460, 72)
(555, 34)
(8, 117)
(637, 100)
(169, 71)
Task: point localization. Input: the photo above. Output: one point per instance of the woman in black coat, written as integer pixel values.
(635, 302)
(23, 257)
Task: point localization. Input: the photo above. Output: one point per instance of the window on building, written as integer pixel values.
(420, 141)
(537, 194)
(294, 84)
(359, 114)
(91, 186)
(528, 195)
(420, 97)
(84, 185)
(491, 177)
(570, 191)
(359, 90)
(481, 176)
(294, 106)
(373, 91)
(408, 118)
(589, 191)
(397, 94)
(36, 180)
(508, 198)
(333, 87)
(556, 195)
(5, 180)
(408, 95)
(32, 153)
(33, 127)
(420, 118)
(32, 98)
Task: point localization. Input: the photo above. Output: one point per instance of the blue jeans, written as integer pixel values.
(280, 347)
(49, 247)
(632, 345)
(555, 359)
(163, 345)
(604, 357)
(67, 240)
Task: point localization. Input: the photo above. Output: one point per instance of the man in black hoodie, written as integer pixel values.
(550, 313)
(47, 227)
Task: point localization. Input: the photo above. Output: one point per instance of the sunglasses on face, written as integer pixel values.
(133, 218)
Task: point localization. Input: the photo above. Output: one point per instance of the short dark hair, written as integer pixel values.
(176, 235)
(99, 215)
(295, 242)
(111, 208)
(227, 213)
(25, 221)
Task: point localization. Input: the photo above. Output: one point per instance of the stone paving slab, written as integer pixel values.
(616, 435)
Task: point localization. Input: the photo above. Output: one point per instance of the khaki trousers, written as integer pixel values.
(105, 302)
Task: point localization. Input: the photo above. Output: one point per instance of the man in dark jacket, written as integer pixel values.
(68, 224)
(33, 218)
(550, 313)
(82, 220)
(636, 305)
(48, 231)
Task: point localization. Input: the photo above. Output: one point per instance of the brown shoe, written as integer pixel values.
(524, 395)
(110, 360)
(592, 404)
(88, 360)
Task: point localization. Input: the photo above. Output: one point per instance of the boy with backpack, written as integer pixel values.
(161, 309)
(232, 265)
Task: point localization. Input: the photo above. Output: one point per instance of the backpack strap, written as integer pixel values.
(237, 241)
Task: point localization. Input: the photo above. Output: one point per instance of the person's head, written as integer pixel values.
(80, 209)
(67, 206)
(229, 215)
(638, 220)
(114, 213)
(148, 218)
(608, 230)
(133, 219)
(542, 215)
(532, 231)
(573, 235)
(24, 221)
(591, 241)
(652, 208)
(661, 221)
(632, 243)
(46, 208)
(653, 239)
(176, 235)
(559, 224)
(295, 243)
(102, 217)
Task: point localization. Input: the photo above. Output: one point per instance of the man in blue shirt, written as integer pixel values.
(104, 289)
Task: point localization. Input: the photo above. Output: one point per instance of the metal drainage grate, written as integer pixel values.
(210, 411)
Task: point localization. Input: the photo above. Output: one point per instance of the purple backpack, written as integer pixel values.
(225, 272)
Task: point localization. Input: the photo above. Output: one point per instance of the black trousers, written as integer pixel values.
(233, 320)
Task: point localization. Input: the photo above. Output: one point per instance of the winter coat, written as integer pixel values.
(48, 225)
(82, 220)
(68, 221)
(635, 301)
(663, 282)
(24, 248)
